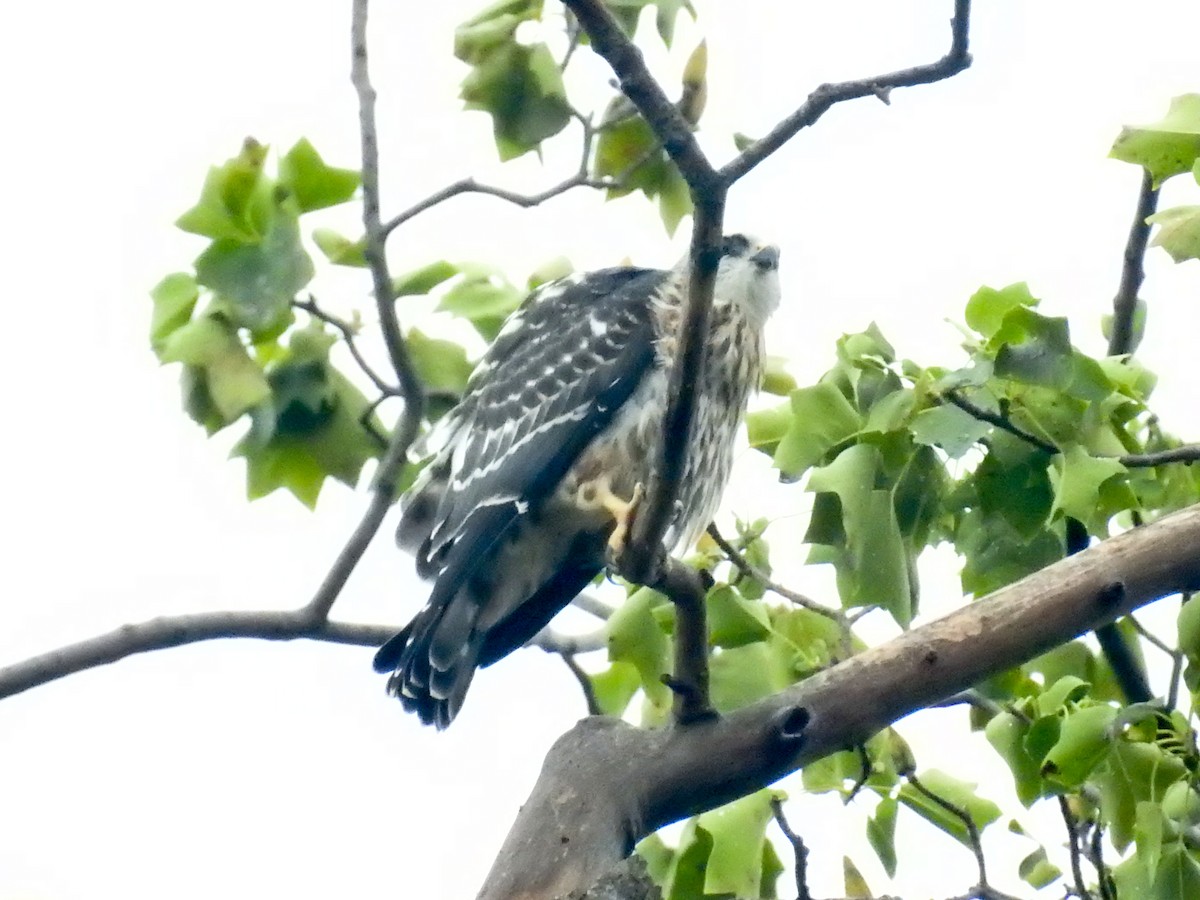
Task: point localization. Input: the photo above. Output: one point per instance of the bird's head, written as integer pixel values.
(748, 275)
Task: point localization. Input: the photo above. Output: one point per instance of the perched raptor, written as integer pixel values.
(533, 472)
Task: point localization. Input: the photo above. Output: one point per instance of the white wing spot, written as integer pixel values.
(599, 329)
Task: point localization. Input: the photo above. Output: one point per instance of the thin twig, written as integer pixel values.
(749, 570)
(1073, 845)
(585, 684)
(1000, 421)
(957, 59)
(968, 823)
(1122, 336)
(1096, 857)
(1186, 453)
(349, 333)
(175, 631)
(374, 251)
(799, 851)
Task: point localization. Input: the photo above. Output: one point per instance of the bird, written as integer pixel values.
(534, 475)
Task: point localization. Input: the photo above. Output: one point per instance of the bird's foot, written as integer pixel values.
(624, 513)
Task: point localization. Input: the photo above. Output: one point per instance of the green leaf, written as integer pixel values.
(174, 299)
(551, 270)
(674, 199)
(1189, 627)
(855, 885)
(492, 28)
(1079, 482)
(521, 88)
(1037, 871)
(765, 428)
(1168, 147)
(997, 554)
(233, 382)
(1148, 830)
(738, 831)
(776, 378)
(484, 300)
(987, 307)
(1178, 232)
(954, 791)
(1006, 732)
(950, 428)
(234, 202)
(339, 249)
(1034, 349)
(312, 183)
(741, 675)
(442, 365)
(822, 417)
(1178, 875)
(634, 636)
(1082, 744)
(873, 570)
(734, 621)
(1133, 772)
(881, 833)
(257, 282)
(614, 688)
(424, 279)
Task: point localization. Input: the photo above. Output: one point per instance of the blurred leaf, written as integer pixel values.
(695, 84)
(855, 885)
(1133, 772)
(881, 834)
(233, 199)
(312, 183)
(257, 282)
(442, 364)
(734, 621)
(424, 279)
(674, 199)
(950, 428)
(1178, 232)
(551, 270)
(615, 687)
(492, 28)
(1189, 627)
(483, 300)
(339, 249)
(521, 88)
(776, 378)
(1037, 871)
(1168, 147)
(233, 382)
(987, 307)
(174, 299)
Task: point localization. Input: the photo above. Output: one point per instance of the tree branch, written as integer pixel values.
(1122, 337)
(640, 780)
(957, 59)
(348, 333)
(374, 251)
(175, 631)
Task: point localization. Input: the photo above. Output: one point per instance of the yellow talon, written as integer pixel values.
(624, 513)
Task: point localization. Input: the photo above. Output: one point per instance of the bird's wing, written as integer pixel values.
(555, 376)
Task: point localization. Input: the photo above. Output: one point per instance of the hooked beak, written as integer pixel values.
(766, 259)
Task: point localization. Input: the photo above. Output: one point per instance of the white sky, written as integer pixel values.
(258, 770)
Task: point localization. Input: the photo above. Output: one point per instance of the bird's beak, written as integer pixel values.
(767, 259)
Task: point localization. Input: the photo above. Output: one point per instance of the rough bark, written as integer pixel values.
(606, 784)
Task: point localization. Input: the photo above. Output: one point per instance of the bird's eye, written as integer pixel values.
(735, 245)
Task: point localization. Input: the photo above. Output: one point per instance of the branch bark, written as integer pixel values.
(606, 784)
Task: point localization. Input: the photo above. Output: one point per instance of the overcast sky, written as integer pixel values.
(262, 770)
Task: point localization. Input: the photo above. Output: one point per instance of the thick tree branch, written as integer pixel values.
(175, 631)
(640, 780)
(957, 59)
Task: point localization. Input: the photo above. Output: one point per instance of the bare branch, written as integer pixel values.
(1000, 421)
(175, 631)
(348, 333)
(743, 565)
(799, 851)
(585, 683)
(1122, 337)
(1072, 824)
(957, 59)
(963, 816)
(553, 641)
(1187, 453)
(410, 383)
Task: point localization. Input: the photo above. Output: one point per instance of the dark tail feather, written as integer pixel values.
(387, 658)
